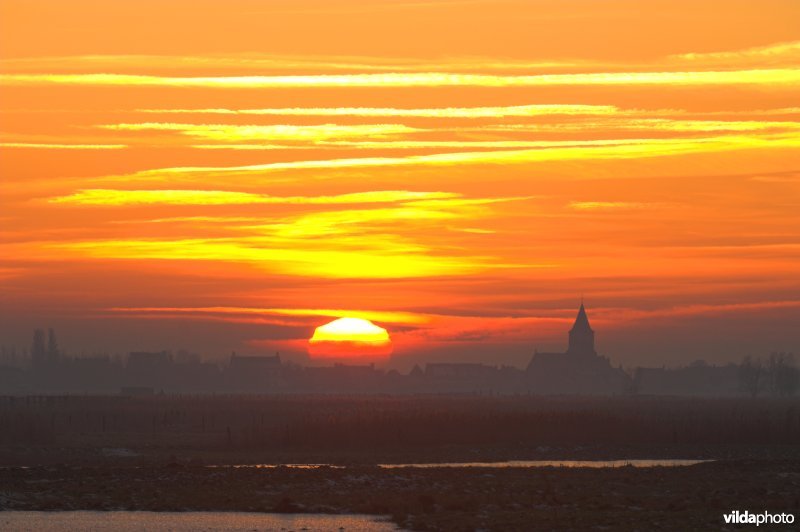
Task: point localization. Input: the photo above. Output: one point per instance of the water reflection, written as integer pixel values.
(188, 521)
(509, 463)
(275, 466)
(556, 463)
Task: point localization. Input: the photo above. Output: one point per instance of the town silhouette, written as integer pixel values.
(579, 370)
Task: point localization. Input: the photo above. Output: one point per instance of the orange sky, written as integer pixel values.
(230, 175)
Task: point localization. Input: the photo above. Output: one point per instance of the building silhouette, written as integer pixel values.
(38, 349)
(254, 373)
(579, 370)
(581, 336)
(148, 369)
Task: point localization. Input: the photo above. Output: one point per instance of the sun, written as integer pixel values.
(350, 338)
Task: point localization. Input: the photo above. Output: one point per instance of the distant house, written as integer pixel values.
(343, 378)
(254, 373)
(136, 391)
(146, 359)
(340, 372)
(87, 373)
(255, 363)
(13, 380)
(459, 371)
(149, 368)
(355, 370)
(579, 370)
(696, 379)
(465, 377)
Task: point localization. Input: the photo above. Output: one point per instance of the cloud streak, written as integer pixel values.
(112, 197)
(357, 259)
(443, 112)
(764, 77)
(382, 316)
(386, 242)
(233, 133)
(53, 146)
(578, 150)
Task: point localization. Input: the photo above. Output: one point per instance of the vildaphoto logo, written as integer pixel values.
(764, 518)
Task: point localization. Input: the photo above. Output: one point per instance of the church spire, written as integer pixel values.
(581, 336)
(582, 320)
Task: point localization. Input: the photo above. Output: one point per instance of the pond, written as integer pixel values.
(509, 463)
(119, 521)
(557, 463)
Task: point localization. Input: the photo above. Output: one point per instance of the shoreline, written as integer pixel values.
(687, 497)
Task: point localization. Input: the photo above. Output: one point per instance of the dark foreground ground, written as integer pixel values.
(684, 498)
(175, 454)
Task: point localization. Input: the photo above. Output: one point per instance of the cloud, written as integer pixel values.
(382, 242)
(769, 77)
(420, 144)
(113, 197)
(648, 124)
(694, 126)
(561, 150)
(253, 62)
(382, 316)
(630, 314)
(233, 133)
(375, 258)
(786, 53)
(359, 221)
(442, 112)
(610, 112)
(605, 205)
(50, 146)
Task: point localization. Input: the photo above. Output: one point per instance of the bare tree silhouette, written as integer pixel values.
(751, 375)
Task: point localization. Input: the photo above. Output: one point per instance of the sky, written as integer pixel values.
(219, 176)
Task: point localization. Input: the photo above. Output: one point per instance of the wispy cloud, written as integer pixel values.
(620, 316)
(51, 146)
(442, 112)
(221, 197)
(381, 221)
(769, 77)
(383, 316)
(251, 62)
(250, 137)
(359, 258)
(588, 150)
(650, 124)
(233, 133)
(381, 242)
(785, 53)
(606, 205)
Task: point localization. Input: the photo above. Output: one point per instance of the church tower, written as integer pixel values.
(581, 336)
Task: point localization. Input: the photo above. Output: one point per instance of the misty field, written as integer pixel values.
(363, 428)
(169, 453)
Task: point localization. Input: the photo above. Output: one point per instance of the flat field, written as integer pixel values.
(163, 453)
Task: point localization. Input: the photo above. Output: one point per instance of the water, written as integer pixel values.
(557, 463)
(188, 522)
(275, 466)
(510, 463)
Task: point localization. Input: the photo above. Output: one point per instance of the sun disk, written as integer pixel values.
(350, 338)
